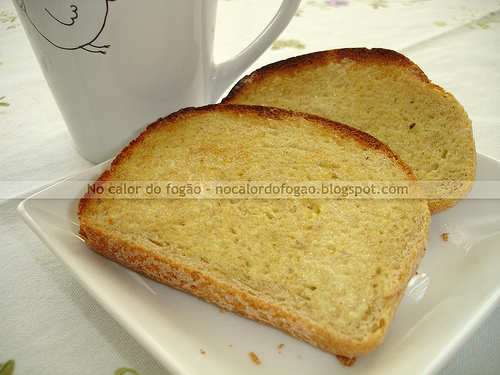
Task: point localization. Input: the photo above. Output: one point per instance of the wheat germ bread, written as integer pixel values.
(384, 94)
(330, 271)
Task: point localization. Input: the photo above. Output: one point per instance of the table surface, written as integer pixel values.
(48, 323)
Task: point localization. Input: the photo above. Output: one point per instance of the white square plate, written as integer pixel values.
(457, 287)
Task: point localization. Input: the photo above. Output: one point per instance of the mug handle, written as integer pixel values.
(228, 71)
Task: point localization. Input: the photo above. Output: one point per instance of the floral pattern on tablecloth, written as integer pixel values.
(461, 13)
(10, 21)
(8, 367)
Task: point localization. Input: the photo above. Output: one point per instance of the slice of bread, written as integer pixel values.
(383, 93)
(328, 269)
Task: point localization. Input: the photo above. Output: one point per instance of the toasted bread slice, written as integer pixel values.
(383, 93)
(328, 269)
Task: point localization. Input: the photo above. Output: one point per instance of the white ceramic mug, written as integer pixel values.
(114, 66)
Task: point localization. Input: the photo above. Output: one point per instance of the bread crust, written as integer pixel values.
(270, 112)
(374, 56)
(379, 56)
(233, 296)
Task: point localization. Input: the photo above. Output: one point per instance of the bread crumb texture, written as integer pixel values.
(329, 271)
(384, 94)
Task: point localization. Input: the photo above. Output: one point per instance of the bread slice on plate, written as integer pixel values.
(278, 216)
(385, 94)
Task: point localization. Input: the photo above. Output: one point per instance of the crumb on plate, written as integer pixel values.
(346, 361)
(254, 357)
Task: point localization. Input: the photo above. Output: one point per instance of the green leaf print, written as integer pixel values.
(3, 104)
(292, 43)
(7, 368)
(125, 371)
(9, 19)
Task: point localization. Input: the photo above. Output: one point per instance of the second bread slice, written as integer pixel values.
(383, 93)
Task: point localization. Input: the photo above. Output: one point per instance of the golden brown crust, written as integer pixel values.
(269, 112)
(291, 65)
(276, 113)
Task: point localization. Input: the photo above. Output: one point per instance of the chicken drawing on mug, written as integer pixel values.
(69, 25)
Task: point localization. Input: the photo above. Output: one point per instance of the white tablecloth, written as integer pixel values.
(48, 322)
